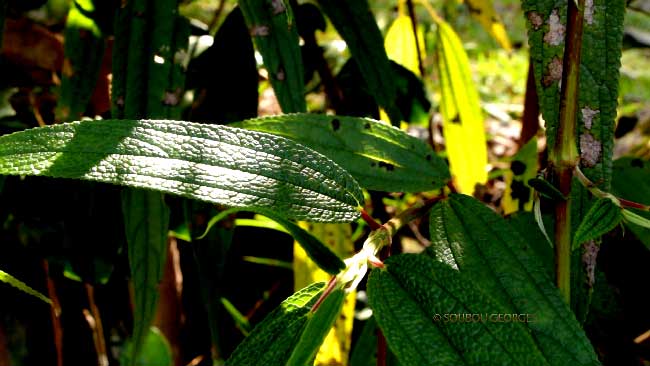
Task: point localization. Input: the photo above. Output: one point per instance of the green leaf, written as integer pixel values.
(599, 73)
(319, 324)
(378, 156)
(602, 217)
(84, 51)
(412, 299)
(356, 25)
(146, 224)
(546, 189)
(272, 341)
(273, 28)
(631, 180)
(156, 351)
(460, 107)
(469, 235)
(636, 219)
(316, 250)
(22, 286)
(216, 164)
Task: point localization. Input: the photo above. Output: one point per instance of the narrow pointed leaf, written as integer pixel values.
(599, 73)
(401, 45)
(319, 324)
(602, 217)
(273, 28)
(356, 25)
(461, 112)
(22, 286)
(272, 341)
(483, 11)
(410, 299)
(484, 246)
(216, 164)
(146, 220)
(378, 156)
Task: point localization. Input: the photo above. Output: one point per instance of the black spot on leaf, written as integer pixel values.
(637, 163)
(336, 124)
(428, 157)
(455, 119)
(517, 167)
(367, 126)
(388, 166)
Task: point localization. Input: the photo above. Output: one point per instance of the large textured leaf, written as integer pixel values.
(273, 28)
(146, 220)
(412, 299)
(467, 234)
(356, 25)
(380, 157)
(598, 84)
(602, 217)
(631, 180)
(272, 341)
(461, 112)
(22, 286)
(217, 164)
(484, 12)
(84, 50)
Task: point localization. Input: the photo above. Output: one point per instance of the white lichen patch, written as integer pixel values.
(589, 11)
(589, 256)
(535, 19)
(277, 6)
(590, 150)
(588, 115)
(259, 31)
(555, 34)
(553, 72)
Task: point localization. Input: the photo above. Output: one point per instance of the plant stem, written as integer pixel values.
(564, 155)
(55, 313)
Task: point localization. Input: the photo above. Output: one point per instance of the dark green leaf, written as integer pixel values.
(602, 217)
(547, 189)
(272, 341)
(356, 25)
(467, 234)
(156, 351)
(379, 156)
(631, 180)
(22, 286)
(412, 299)
(217, 164)
(275, 33)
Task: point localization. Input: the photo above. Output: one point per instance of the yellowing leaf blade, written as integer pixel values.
(401, 45)
(483, 11)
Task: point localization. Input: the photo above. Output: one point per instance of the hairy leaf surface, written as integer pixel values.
(217, 164)
(602, 217)
(412, 299)
(599, 72)
(467, 234)
(378, 156)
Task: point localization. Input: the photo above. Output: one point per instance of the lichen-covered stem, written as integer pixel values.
(564, 156)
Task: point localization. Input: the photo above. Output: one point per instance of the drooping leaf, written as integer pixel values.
(338, 238)
(483, 11)
(313, 247)
(461, 112)
(523, 167)
(401, 45)
(410, 299)
(631, 180)
(356, 24)
(84, 51)
(273, 28)
(602, 217)
(146, 220)
(156, 351)
(318, 326)
(272, 341)
(22, 286)
(467, 234)
(216, 164)
(380, 157)
(599, 72)
(546, 189)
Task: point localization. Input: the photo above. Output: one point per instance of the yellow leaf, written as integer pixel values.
(463, 126)
(401, 46)
(336, 347)
(523, 167)
(483, 11)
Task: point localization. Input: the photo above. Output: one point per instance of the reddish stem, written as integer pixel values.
(374, 225)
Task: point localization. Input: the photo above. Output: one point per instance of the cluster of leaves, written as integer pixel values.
(315, 167)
